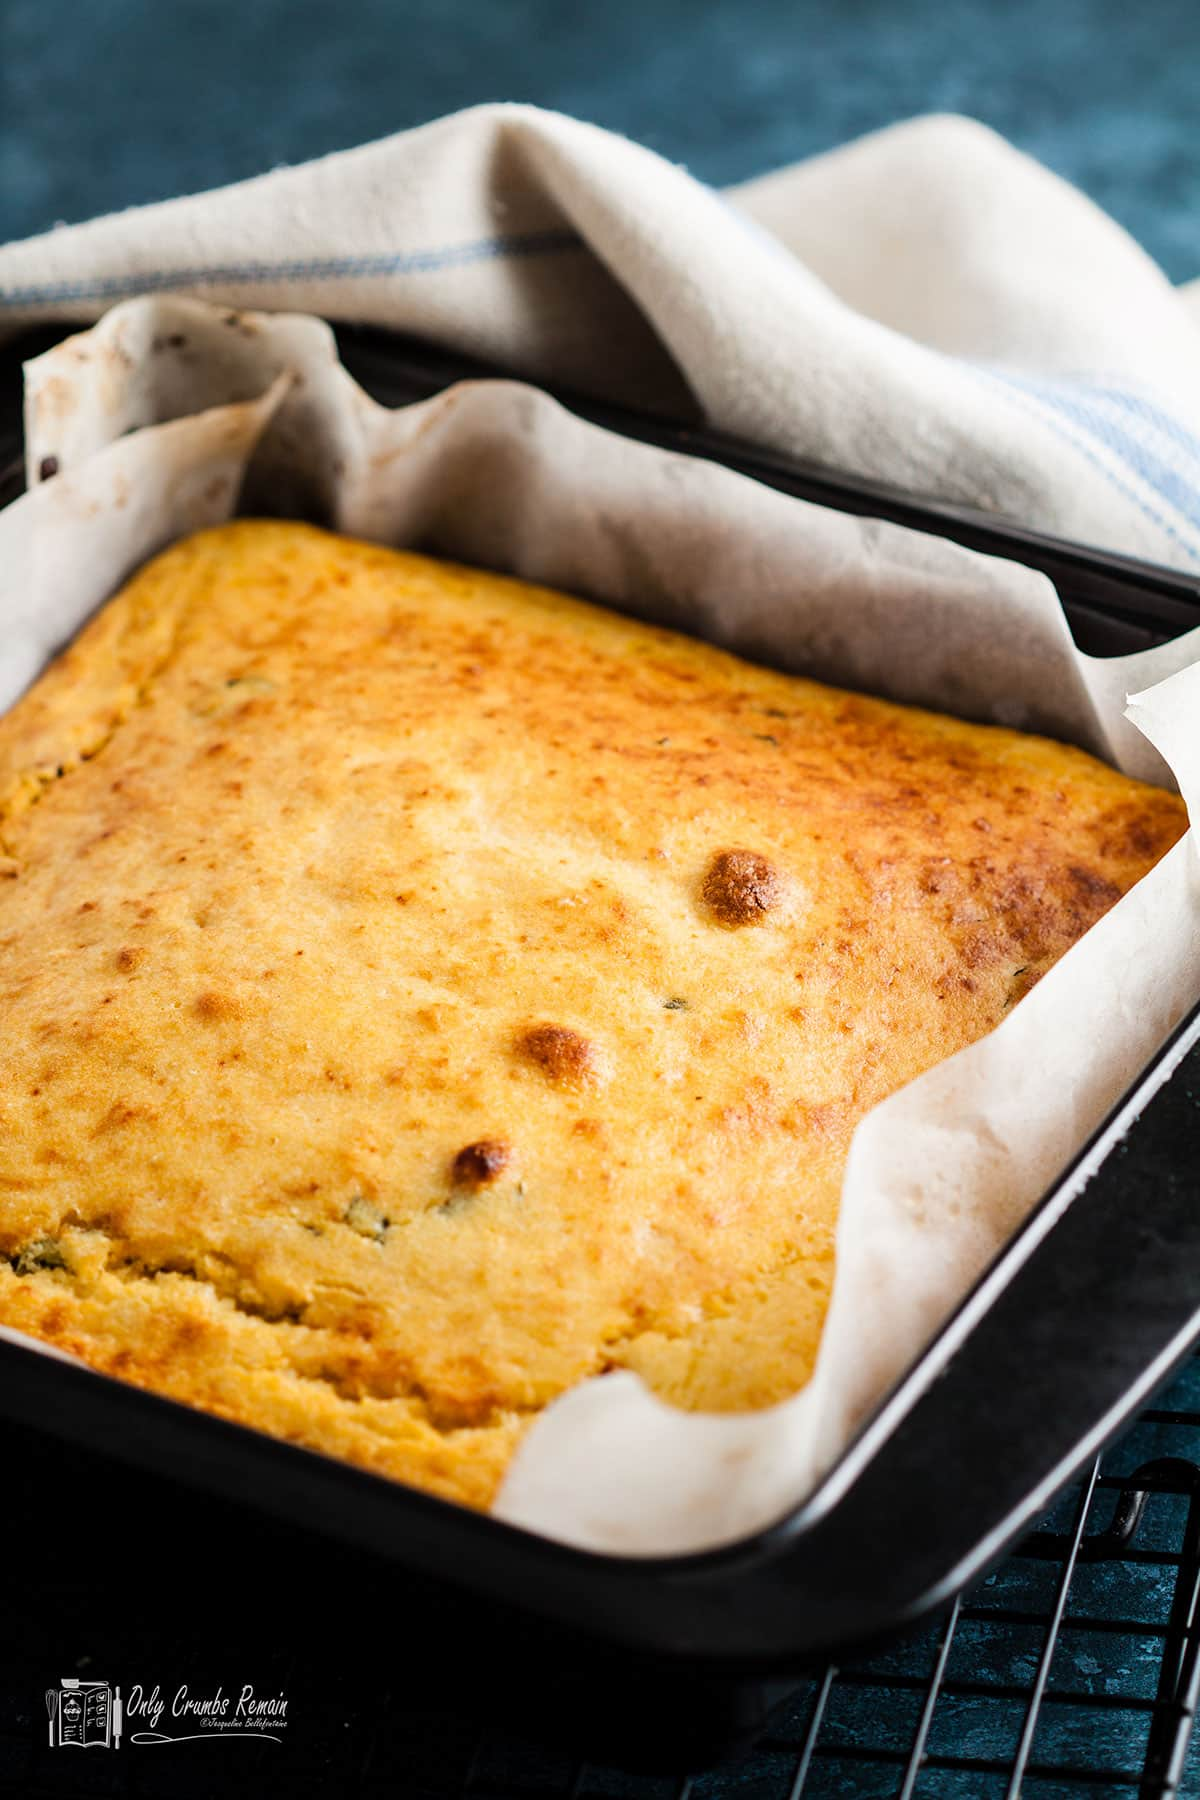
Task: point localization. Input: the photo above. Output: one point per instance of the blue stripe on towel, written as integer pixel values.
(331, 268)
(1138, 430)
(1094, 413)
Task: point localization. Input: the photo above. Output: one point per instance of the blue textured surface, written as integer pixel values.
(112, 102)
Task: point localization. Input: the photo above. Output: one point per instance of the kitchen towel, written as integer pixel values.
(927, 306)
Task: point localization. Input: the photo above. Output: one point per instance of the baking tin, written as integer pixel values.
(1083, 1315)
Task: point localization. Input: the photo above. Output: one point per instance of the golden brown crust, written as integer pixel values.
(381, 1049)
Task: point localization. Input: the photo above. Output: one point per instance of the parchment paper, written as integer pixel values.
(169, 414)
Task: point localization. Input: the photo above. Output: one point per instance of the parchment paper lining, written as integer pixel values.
(160, 416)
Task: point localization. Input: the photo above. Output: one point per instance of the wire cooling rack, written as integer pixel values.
(1072, 1671)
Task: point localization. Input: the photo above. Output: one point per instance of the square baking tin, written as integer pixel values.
(1083, 1315)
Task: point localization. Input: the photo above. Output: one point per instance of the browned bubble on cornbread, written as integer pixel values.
(565, 1057)
(477, 1164)
(419, 991)
(742, 888)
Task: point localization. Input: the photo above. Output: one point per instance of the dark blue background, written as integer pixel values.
(104, 103)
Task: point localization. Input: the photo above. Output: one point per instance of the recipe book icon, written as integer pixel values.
(84, 1713)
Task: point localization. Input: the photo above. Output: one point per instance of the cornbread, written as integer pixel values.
(420, 991)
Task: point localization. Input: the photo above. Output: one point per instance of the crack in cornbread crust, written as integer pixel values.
(421, 991)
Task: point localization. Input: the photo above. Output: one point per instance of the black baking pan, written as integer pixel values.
(1084, 1314)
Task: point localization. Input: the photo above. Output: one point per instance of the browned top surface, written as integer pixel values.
(419, 991)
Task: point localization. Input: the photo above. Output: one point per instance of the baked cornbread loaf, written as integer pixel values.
(420, 991)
